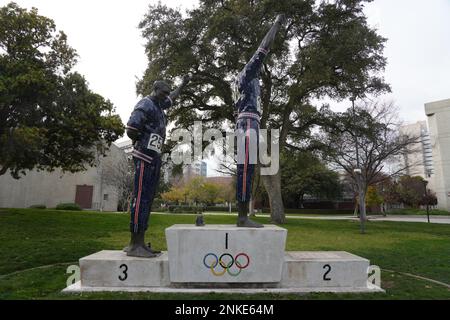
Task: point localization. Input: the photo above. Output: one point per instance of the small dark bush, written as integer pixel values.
(68, 206)
(38, 206)
(221, 208)
(313, 211)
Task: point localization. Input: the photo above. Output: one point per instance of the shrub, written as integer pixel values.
(68, 206)
(38, 206)
(314, 211)
(220, 208)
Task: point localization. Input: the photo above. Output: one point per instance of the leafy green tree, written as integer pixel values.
(373, 197)
(412, 190)
(176, 194)
(304, 173)
(197, 190)
(389, 192)
(48, 116)
(211, 193)
(327, 49)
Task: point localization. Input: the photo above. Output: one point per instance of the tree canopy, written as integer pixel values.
(326, 49)
(304, 173)
(196, 190)
(48, 115)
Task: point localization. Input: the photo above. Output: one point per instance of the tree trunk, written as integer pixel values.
(362, 213)
(272, 184)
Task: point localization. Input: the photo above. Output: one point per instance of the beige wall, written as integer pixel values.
(52, 188)
(438, 114)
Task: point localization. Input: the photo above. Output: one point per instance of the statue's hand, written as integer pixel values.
(186, 79)
(281, 19)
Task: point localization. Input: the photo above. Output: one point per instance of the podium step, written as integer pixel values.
(115, 269)
(336, 269)
(302, 272)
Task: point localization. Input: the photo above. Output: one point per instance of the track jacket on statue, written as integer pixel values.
(147, 124)
(149, 120)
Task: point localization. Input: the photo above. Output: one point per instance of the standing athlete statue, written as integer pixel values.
(147, 129)
(247, 99)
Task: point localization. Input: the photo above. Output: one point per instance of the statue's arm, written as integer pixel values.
(137, 120)
(268, 40)
(176, 93)
(254, 65)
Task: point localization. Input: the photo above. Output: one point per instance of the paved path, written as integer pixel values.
(399, 218)
(433, 219)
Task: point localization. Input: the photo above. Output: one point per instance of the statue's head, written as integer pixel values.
(161, 90)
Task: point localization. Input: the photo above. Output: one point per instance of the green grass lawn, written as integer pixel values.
(37, 246)
(418, 212)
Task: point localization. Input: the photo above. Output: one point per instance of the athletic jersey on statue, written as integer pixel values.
(246, 89)
(149, 119)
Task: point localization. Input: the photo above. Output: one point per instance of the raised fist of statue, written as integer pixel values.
(186, 79)
(281, 19)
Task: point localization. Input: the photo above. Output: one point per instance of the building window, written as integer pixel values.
(105, 197)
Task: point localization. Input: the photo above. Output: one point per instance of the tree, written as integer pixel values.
(373, 198)
(361, 141)
(201, 191)
(304, 173)
(196, 190)
(412, 190)
(119, 173)
(325, 50)
(48, 116)
(176, 194)
(389, 192)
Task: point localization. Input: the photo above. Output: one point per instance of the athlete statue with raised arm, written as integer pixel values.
(247, 99)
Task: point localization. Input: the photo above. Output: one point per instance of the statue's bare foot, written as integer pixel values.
(247, 223)
(141, 252)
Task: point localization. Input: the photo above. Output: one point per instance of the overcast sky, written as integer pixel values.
(111, 52)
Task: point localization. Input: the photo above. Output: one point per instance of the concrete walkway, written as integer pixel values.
(433, 219)
(398, 218)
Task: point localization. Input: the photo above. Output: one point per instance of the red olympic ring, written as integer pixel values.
(237, 262)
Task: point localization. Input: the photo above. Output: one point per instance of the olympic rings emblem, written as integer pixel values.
(221, 261)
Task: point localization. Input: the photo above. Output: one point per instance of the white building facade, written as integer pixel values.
(87, 188)
(438, 114)
(419, 160)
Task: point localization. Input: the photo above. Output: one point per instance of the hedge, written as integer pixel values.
(314, 211)
(68, 206)
(38, 206)
(193, 209)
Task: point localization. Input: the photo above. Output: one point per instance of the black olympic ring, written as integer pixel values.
(226, 268)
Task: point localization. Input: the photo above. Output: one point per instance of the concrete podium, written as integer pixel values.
(225, 254)
(222, 258)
